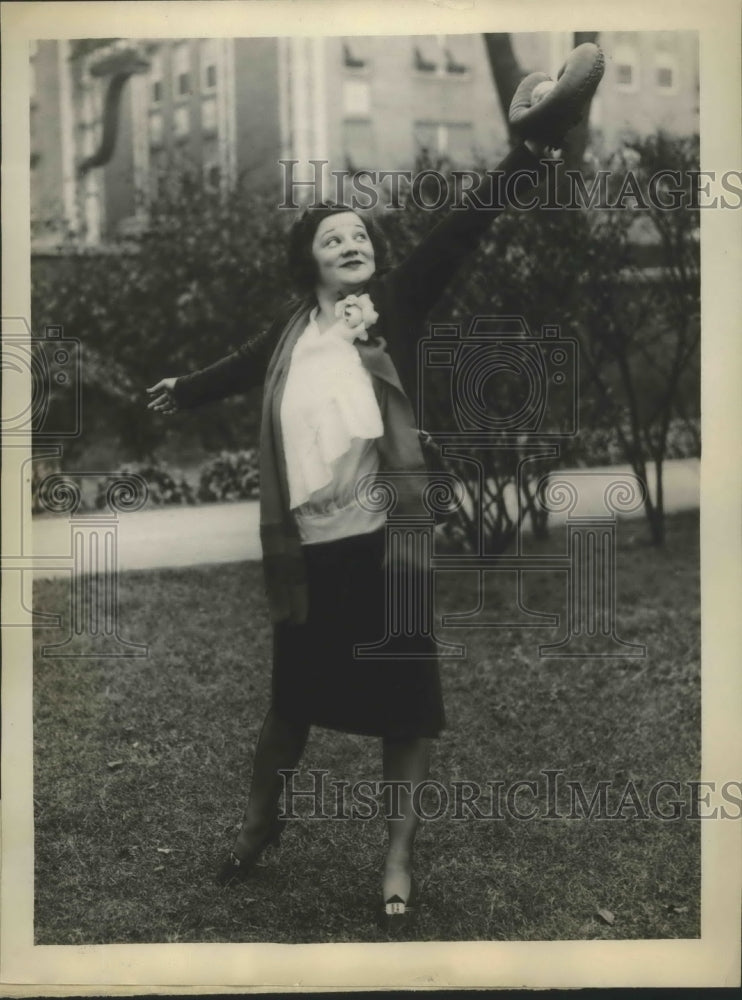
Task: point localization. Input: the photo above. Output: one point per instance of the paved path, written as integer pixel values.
(228, 532)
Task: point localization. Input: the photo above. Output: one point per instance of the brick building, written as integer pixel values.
(234, 107)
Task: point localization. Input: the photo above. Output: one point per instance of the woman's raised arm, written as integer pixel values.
(541, 112)
(423, 276)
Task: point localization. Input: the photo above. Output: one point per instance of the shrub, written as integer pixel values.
(162, 488)
(63, 494)
(231, 476)
(206, 273)
(602, 445)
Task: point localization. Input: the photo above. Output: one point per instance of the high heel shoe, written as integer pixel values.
(236, 869)
(396, 915)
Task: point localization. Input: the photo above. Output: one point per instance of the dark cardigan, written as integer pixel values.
(402, 297)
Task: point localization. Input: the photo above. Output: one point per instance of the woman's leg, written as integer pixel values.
(280, 746)
(408, 761)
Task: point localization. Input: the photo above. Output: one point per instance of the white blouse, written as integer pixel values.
(330, 420)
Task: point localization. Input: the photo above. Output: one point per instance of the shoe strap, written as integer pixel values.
(394, 905)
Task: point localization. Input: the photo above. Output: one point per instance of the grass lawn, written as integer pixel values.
(141, 769)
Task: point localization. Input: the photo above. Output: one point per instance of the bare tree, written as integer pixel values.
(641, 326)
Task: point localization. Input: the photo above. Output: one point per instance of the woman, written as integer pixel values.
(336, 367)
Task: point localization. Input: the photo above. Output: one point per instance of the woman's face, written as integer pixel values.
(343, 252)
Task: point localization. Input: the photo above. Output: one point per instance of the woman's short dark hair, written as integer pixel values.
(302, 265)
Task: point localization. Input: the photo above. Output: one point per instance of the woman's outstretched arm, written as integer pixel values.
(239, 371)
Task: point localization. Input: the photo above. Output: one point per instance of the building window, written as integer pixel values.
(450, 140)
(210, 162)
(459, 140)
(666, 73)
(426, 138)
(181, 70)
(181, 121)
(442, 55)
(356, 97)
(155, 128)
(457, 50)
(358, 145)
(426, 54)
(157, 171)
(209, 114)
(355, 54)
(155, 78)
(627, 68)
(209, 58)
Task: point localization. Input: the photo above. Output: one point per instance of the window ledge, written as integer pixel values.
(435, 75)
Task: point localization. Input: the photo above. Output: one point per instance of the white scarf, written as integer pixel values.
(328, 401)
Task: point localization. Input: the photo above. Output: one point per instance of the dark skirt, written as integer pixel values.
(318, 680)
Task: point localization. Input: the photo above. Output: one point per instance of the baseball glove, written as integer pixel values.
(545, 116)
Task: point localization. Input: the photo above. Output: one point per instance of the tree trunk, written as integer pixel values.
(506, 73)
(577, 138)
(538, 515)
(657, 518)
